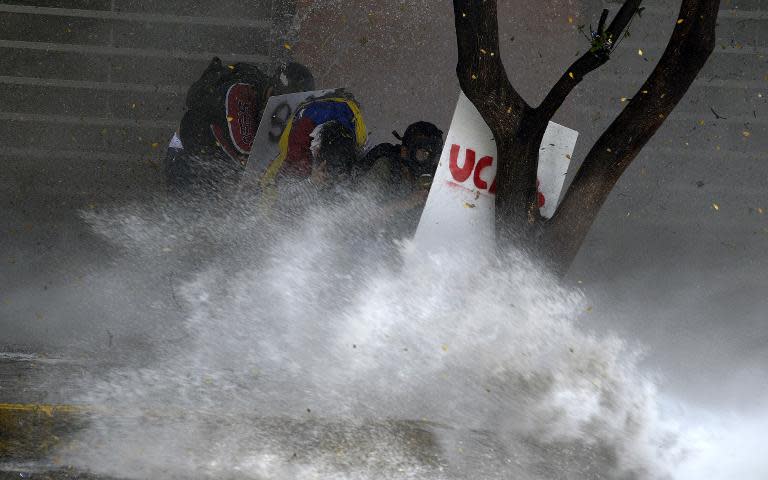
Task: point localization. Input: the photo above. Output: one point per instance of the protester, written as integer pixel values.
(303, 138)
(224, 107)
(401, 175)
(333, 153)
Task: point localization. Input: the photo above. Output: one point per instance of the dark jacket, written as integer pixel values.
(224, 107)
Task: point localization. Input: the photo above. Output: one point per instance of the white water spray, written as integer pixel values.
(313, 351)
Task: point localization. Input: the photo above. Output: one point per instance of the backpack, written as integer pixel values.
(224, 107)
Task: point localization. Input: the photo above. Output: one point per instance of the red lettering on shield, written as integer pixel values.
(461, 174)
(482, 164)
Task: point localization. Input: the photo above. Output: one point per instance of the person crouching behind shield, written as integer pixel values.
(304, 138)
(333, 153)
(400, 176)
(224, 107)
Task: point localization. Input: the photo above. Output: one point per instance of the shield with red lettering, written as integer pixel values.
(460, 209)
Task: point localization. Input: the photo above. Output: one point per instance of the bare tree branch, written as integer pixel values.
(691, 44)
(603, 19)
(480, 70)
(590, 61)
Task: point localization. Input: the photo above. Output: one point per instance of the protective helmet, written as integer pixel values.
(424, 142)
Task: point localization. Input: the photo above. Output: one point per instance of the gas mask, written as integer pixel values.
(424, 155)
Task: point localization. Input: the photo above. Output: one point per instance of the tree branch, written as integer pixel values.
(691, 44)
(590, 61)
(603, 19)
(480, 70)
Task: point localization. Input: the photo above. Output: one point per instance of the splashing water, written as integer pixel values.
(317, 348)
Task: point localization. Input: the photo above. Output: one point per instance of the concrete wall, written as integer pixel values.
(90, 92)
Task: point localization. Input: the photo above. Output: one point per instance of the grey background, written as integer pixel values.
(84, 97)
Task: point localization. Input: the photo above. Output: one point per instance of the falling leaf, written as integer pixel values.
(679, 21)
(589, 309)
(640, 52)
(482, 50)
(716, 207)
(230, 118)
(623, 99)
(288, 46)
(701, 122)
(155, 145)
(746, 133)
(445, 347)
(570, 19)
(570, 74)
(474, 77)
(760, 211)
(469, 205)
(232, 67)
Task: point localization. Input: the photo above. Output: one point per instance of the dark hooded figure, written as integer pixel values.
(400, 175)
(224, 107)
(409, 165)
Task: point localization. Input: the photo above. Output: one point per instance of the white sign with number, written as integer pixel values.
(276, 115)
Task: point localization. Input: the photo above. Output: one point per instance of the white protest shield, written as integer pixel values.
(554, 158)
(459, 213)
(460, 208)
(266, 146)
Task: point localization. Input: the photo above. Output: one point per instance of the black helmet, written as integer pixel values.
(421, 130)
(293, 77)
(424, 142)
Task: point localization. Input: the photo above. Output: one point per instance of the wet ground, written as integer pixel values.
(38, 427)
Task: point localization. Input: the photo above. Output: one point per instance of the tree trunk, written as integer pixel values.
(518, 128)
